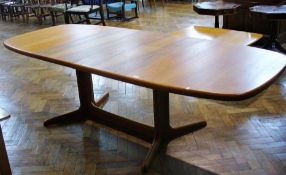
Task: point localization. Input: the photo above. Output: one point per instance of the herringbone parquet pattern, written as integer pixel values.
(247, 137)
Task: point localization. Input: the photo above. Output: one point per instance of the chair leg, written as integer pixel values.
(67, 16)
(43, 13)
(40, 19)
(123, 14)
(38, 15)
(87, 18)
(27, 17)
(10, 11)
(79, 17)
(53, 18)
(150, 3)
(23, 12)
(107, 11)
(102, 16)
(136, 11)
(71, 18)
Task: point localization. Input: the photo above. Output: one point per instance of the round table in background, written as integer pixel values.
(216, 8)
(274, 14)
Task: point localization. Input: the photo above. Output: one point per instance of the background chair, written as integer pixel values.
(58, 9)
(120, 8)
(85, 11)
(12, 9)
(38, 9)
(4, 10)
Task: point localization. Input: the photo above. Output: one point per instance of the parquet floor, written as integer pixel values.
(246, 137)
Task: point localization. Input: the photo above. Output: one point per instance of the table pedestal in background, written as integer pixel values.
(216, 8)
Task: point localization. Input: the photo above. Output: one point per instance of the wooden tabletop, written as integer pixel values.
(216, 8)
(179, 65)
(269, 11)
(218, 34)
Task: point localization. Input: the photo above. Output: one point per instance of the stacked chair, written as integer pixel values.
(38, 9)
(58, 8)
(16, 9)
(12, 9)
(74, 11)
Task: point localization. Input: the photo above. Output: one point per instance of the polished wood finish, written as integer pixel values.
(4, 161)
(245, 137)
(140, 68)
(218, 34)
(243, 77)
(216, 8)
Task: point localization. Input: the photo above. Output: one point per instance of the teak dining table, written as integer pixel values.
(164, 63)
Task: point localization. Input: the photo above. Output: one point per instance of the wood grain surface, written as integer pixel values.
(218, 34)
(245, 137)
(175, 64)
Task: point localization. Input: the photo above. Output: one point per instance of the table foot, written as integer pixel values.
(156, 145)
(102, 100)
(159, 135)
(79, 115)
(183, 130)
(3, 114)
(161, 141)
(164, 133)
(120, 123)
(72, 117)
